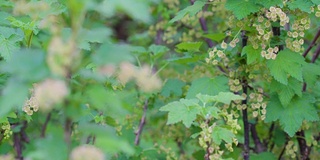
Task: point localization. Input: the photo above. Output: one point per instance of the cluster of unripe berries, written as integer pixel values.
(291, 149)
(6, 128)
(295, 40)
(205, 141)
(257, 105)
(218, 55)
(275, 14)
(316, 10)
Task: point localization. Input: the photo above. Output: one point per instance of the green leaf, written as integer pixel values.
(218, 37)
(220, 133)
(13, 96)
(191, 10)
(136, 9)
(303, 5)
(158, 50)
(112, 54)
(172, 86)
(32, 69)
(287, 92)
(185, 110)
(316, 2)
(242, 8)
(209, 86)
(27, 27)
(96, 35)
(8, 46)
(310, 73)
(227, 97)
(185, 59)
(263, 156)
(286, 63)
(107, 139)
(189, 46)
(52, 147)
(291, 117)
(101, 98)
(251, 53)
(269, 3)
(223, 97)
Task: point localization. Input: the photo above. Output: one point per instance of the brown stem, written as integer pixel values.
(142, 123)
(67, 132)
(257, 143)
(18, 139)
(246, 149)
(312, 44)
(244, 82)
(304, 149)
(207, 155)
(44, 127)
(276, 32)
(179, 143)
(17, 143)
(315, 55)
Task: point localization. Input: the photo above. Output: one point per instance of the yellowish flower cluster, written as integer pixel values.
(291, 150)
(30, 106)
(296, 35)
(205, 141)
(275, 14)
(146, 81)
(258, 107)
(45, 95)
(271, 53)
(86, 152)
(172, 4)
(6, 128)
(316, 11)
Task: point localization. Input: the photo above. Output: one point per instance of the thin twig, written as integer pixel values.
(267, 141)
(204, 27)
(142, 123)
(312, 44)
(315, 55)
(67, 132)
(284, 148)
(44, 127)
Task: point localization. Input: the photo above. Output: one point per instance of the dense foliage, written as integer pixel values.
(159, 79)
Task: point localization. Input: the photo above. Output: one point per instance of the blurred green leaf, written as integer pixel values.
(172, 86)
(218, 37)
(52, 147)
(136, 9)
(190, 10)
(189, 46)
(209, 86)
(32, 69)
(253, 55)
(101, 98)
(112, 54)
(220, 133)
(291, 116)
(185, 110)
